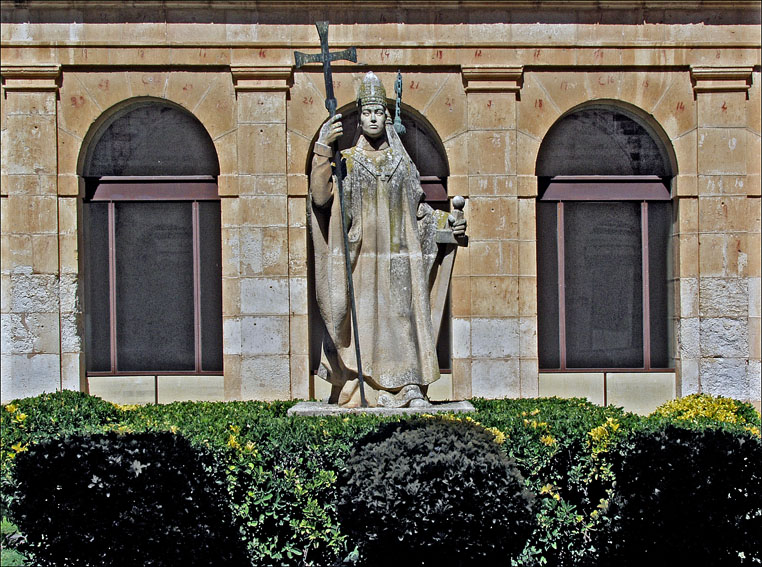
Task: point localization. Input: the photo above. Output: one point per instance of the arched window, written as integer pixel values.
(152, 245)
(603, 230)
(428, 154)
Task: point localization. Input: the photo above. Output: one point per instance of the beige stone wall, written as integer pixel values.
(491, 90)
(38, 289)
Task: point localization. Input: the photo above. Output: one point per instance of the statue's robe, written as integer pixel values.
(392, 243)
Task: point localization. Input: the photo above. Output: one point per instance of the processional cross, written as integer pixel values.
(325, 57)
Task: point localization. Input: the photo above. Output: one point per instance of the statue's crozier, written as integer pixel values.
(392, 248)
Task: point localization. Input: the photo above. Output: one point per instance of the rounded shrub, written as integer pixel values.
(434, 491)
(685, 497)
(109, 499)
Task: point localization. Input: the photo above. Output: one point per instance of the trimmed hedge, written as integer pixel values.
(280, 472)
(685, 496)
(111, 499)
(434, 491)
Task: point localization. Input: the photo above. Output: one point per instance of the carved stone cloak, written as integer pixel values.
(392, 250)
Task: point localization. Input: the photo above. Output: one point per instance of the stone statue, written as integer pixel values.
(393, 243)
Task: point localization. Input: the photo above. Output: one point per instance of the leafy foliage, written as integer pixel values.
(10, 539)
(280, 472)
(696, 493)
(703, 410)
(561, 447)
(425, 491)
(28, 421)
(101, 499)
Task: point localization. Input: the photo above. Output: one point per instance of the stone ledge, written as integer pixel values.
(721, 79)
(249, 78)
(318, 409)
(33, 77)
(508, 79)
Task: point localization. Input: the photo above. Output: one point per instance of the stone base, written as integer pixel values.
(313, 409)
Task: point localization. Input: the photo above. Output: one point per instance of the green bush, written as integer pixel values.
(111, 499)
(685, 496)
(280, 472)
(700, 411)
(428, 491)
(11, 539)
(28, 421)
(561, 446)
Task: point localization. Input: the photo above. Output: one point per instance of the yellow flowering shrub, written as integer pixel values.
(500, 436)
(601, 437)
(704, 409)
(548, 440)
(126, 407)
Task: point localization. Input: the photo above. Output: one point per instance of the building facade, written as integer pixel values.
(155, 161)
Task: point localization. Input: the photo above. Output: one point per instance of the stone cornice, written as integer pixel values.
(403, 4)
(721, 79)
(44, 77)
(493, 79)
(262, 78)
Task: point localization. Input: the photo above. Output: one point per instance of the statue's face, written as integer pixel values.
(372, 120)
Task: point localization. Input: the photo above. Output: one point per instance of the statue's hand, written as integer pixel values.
(459, 228)
(331, 131)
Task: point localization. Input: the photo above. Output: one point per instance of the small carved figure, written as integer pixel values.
(393, 243)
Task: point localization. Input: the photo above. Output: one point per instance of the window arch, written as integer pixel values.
(425, 148)
(152, 245)
(603, 231)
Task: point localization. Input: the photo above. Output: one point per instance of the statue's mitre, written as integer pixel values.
(371, 91)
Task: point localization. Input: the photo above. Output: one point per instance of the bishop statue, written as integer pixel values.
(393, 242)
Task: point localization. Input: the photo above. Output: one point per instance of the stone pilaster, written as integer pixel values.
(499, 314)
(268, 296)
(32, 289)
(728, 275)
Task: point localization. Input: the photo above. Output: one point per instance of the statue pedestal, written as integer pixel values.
(314, 409)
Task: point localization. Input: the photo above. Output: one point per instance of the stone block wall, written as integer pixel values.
(491, 87)
(38, 299)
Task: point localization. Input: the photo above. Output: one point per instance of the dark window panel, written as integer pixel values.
(604, 294)
(97, 320)
(599, 141)
(210, 240)
(153, 139)
(154, 285)
(152, 189)
(547, 286)
(659, 230)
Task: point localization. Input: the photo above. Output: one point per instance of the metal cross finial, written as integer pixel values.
(325, 57)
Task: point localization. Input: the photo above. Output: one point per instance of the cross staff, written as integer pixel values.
(325, 57)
